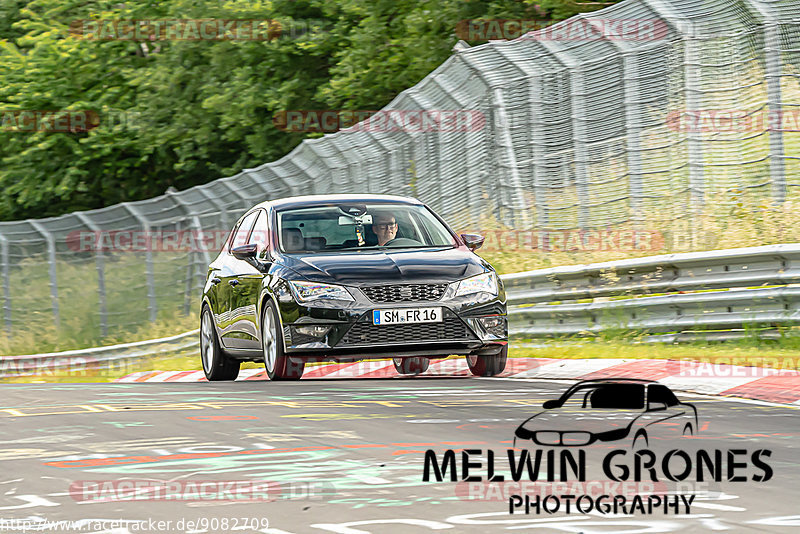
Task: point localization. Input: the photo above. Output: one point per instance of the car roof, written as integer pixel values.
(323, 200)
(613, 380)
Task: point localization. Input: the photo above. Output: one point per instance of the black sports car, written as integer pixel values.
(345, 278)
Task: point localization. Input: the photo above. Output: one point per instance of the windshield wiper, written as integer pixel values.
(376, 247)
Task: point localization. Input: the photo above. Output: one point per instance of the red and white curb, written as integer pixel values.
(772, 385)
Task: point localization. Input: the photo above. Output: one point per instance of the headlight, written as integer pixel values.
(311, 291)
(483, 283)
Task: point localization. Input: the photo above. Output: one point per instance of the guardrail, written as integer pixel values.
(714, 295)
(88, 360)
(718, 294)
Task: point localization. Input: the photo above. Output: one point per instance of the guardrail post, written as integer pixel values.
(51, 253)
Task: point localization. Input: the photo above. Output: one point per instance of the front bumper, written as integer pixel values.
(345, 329)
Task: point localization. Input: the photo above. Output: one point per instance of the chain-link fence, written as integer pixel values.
(692, 113)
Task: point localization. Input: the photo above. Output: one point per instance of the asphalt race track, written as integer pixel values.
(347, 456)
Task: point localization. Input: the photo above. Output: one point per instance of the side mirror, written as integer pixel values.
(549, 405)
(245, 252)
(473, 241)
(656, 406)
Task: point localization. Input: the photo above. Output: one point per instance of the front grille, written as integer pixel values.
(574, 439)
(404, 292)
(364, 332)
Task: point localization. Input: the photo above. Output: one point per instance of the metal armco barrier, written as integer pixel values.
(728, 290)
(88, 360)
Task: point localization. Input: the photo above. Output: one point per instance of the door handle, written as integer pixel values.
(215, 281)
(233, 282)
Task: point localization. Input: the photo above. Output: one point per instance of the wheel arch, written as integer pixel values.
(269, 296)
(206, 303)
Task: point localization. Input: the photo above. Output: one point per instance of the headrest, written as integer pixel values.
(292, 239)
(316, 243)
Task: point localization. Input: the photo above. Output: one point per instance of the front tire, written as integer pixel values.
(488, 365)
(278, 365)
(216, 365)
(411, 366)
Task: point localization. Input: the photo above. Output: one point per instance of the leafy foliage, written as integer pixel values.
(180, 113)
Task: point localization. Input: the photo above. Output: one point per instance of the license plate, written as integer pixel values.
(407, 315)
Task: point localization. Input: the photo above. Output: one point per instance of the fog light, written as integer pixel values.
(313, 331)
(491, 322)
(491, 327)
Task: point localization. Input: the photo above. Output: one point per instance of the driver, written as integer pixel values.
(385, 227)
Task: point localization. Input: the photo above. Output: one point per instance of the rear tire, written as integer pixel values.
(278, 365)
(491, 365)
(411, 366)
(216, 365)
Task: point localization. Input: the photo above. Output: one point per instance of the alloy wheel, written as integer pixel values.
(268, 340)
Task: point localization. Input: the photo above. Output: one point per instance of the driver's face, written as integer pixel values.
(385, 228)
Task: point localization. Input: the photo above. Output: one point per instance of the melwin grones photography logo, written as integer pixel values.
(634, 439)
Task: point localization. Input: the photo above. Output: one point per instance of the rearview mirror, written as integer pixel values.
(473, 241)
(549, 405)
(345, 220)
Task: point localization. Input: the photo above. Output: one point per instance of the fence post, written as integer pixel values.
(6, 283)
(148, 258)
(578, 103)
(199, 238)
(503, 129)
(772, 61)
(694, 103)
(51, 253)
(99, 259)
(633, 117)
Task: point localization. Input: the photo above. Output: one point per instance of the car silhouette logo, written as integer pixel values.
(611, 409)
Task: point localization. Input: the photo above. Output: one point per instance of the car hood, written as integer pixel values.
(560, 420)
(355, 268)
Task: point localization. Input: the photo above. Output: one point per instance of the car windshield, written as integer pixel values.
(607, 396)
(355, 227)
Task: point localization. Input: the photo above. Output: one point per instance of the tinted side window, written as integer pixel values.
(241, 233)
(260, 234)
(618, 397)
(659, 393)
